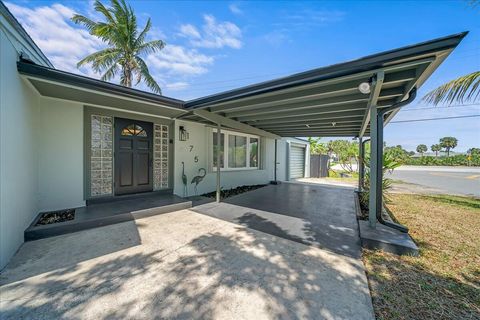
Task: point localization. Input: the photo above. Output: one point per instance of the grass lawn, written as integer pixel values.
(444, 281)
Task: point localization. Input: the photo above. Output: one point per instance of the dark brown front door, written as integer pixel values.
(133, 156)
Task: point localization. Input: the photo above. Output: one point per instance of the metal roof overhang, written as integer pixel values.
(58, 84)
(326, 101)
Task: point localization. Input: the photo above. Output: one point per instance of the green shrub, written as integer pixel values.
(457, 160)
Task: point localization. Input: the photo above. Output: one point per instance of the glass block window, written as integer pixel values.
(101, 161)
(160, 157)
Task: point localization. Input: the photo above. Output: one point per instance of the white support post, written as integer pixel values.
(219, 142)
(372, 201)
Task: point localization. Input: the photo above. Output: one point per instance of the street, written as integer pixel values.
(452, 180)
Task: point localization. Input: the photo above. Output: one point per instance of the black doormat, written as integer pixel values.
(56, 217)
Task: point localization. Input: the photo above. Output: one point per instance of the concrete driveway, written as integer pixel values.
(320, 215)
(181, 265)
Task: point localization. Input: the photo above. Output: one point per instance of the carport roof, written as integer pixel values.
(320, 102)
(326, 101)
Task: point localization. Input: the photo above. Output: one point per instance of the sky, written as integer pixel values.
(213, 46)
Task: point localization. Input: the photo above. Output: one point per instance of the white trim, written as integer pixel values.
(105, 107)
(227, 133)
(120, 96)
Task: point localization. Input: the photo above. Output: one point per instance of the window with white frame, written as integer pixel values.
(237, 150)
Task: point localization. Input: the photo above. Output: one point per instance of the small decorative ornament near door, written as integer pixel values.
(184, 180)
(198, 179)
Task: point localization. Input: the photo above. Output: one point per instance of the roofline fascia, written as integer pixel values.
(336, 70)
(71, 79)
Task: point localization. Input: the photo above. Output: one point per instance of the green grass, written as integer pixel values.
(444, 281)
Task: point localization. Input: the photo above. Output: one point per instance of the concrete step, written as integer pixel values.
(96, 221)
(386, 239)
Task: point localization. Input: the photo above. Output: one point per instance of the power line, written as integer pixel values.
(430, 119)
(445, 107)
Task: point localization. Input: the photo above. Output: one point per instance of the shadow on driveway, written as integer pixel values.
(191, 266)
(318, 215)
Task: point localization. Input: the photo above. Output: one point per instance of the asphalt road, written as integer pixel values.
(452, 180)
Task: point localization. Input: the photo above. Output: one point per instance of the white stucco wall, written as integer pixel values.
(60, 154)
(199, 138)
(18, 158)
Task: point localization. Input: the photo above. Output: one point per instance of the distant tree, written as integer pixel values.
(411, 153)
(346, 151)
(317, 147)
(397, 153)
(421, 148)
(436, 148)
(474, 151)
(448, 143)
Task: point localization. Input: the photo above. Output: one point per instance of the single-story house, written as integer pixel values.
(67, 139)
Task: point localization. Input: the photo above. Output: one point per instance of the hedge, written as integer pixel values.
(457, 160)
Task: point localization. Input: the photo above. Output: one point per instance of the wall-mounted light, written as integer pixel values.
(364, 87)
(183, 134)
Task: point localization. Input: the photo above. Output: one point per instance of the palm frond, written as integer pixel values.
(86, 22)
(104, 10)
(141, 37)
(147, 77)
(101, 59)
(151, 47)
(110, 73)
(459, 90)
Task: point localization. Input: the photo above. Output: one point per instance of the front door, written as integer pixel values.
(133, 156)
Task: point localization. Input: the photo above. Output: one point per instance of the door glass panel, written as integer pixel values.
(134, 130)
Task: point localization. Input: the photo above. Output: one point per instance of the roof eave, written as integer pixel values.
(40, 72)
(377, 60)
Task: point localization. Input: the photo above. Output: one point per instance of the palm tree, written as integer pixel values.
(125, 44)
(436, 148)
(458, 90)
(465, 88)
(448, 143)
(421, 148)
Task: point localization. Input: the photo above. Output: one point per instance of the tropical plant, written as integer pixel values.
(460, 90)
(448, 143)
(421, 148)
(346, 152)
(317, 147)
(125, 45)
(474, 151)
(389, 164)
(397, 152)
(436, 148)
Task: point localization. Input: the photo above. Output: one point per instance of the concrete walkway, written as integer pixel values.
(181, 265)
(319, 215)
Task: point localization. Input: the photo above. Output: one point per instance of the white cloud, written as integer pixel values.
(189, 31)
(235, 9)
(178, 60)
(214, 34)
(61, 42)
(65, 43)
(177, 85)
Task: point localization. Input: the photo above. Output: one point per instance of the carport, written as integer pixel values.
(352, 99)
